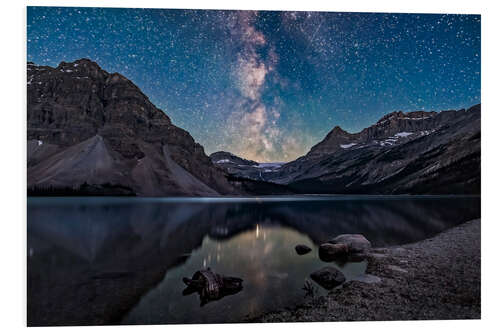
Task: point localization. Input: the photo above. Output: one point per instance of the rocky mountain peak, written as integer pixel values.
(336, 137)
(400, 115)
(82, 95)
(83, 62)
(394, 127)
(76, 101)
(416, 152)
(392, 115)
(83, 67)
(337, 130)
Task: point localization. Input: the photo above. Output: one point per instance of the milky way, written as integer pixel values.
(268, 85)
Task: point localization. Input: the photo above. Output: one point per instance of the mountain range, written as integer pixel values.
(91, 132)
(403, 153)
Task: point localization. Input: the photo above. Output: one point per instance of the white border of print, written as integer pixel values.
(13, 140)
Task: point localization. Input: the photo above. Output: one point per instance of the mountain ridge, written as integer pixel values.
(77, 101)
(403, 153)
(390, 124)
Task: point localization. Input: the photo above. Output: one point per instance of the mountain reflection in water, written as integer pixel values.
(121, 260)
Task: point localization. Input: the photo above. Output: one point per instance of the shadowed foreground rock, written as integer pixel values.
(211, 286)
(328, 277)
(330, 252)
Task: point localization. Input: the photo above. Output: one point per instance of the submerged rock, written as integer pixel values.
(211, 286)
(355, 242)
(302, 249)
(329, 252)
(328, 277)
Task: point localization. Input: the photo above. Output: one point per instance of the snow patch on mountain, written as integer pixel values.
(349, 145)
(426, 132)
(403, 134)
(409, 118)
(270, 165)
(224, 161)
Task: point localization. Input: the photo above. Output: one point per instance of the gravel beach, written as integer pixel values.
(437, 278)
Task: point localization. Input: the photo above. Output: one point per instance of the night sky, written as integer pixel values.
(269, 85)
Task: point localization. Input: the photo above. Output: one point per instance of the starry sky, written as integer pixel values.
(268, 85)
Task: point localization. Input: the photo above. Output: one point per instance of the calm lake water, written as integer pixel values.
(122, 260)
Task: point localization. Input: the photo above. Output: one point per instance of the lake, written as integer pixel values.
(104, 260)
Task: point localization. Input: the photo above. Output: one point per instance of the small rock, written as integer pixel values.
(397, 269)
(399, 251)
(377, 255)
(367, 278)
(328, 277)
(355, 242)
(302, 249)
(329, 252)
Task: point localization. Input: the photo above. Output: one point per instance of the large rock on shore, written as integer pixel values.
(355, 242)
(329, 252)
(328, 277)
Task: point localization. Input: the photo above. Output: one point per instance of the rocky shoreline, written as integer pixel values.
(434, 279)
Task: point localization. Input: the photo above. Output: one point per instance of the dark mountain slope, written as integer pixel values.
(87, 126)
(440, 155)
(416, 152)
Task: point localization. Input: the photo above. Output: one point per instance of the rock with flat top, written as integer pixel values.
(329, 252)
(355, 242)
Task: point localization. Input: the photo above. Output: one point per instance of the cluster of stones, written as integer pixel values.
(344, 247)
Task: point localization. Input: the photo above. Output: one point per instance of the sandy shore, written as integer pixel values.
(437, 278)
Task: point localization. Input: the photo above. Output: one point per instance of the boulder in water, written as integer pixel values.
(329, 252)
(302, 249)
(355, 242)
(211, 286)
